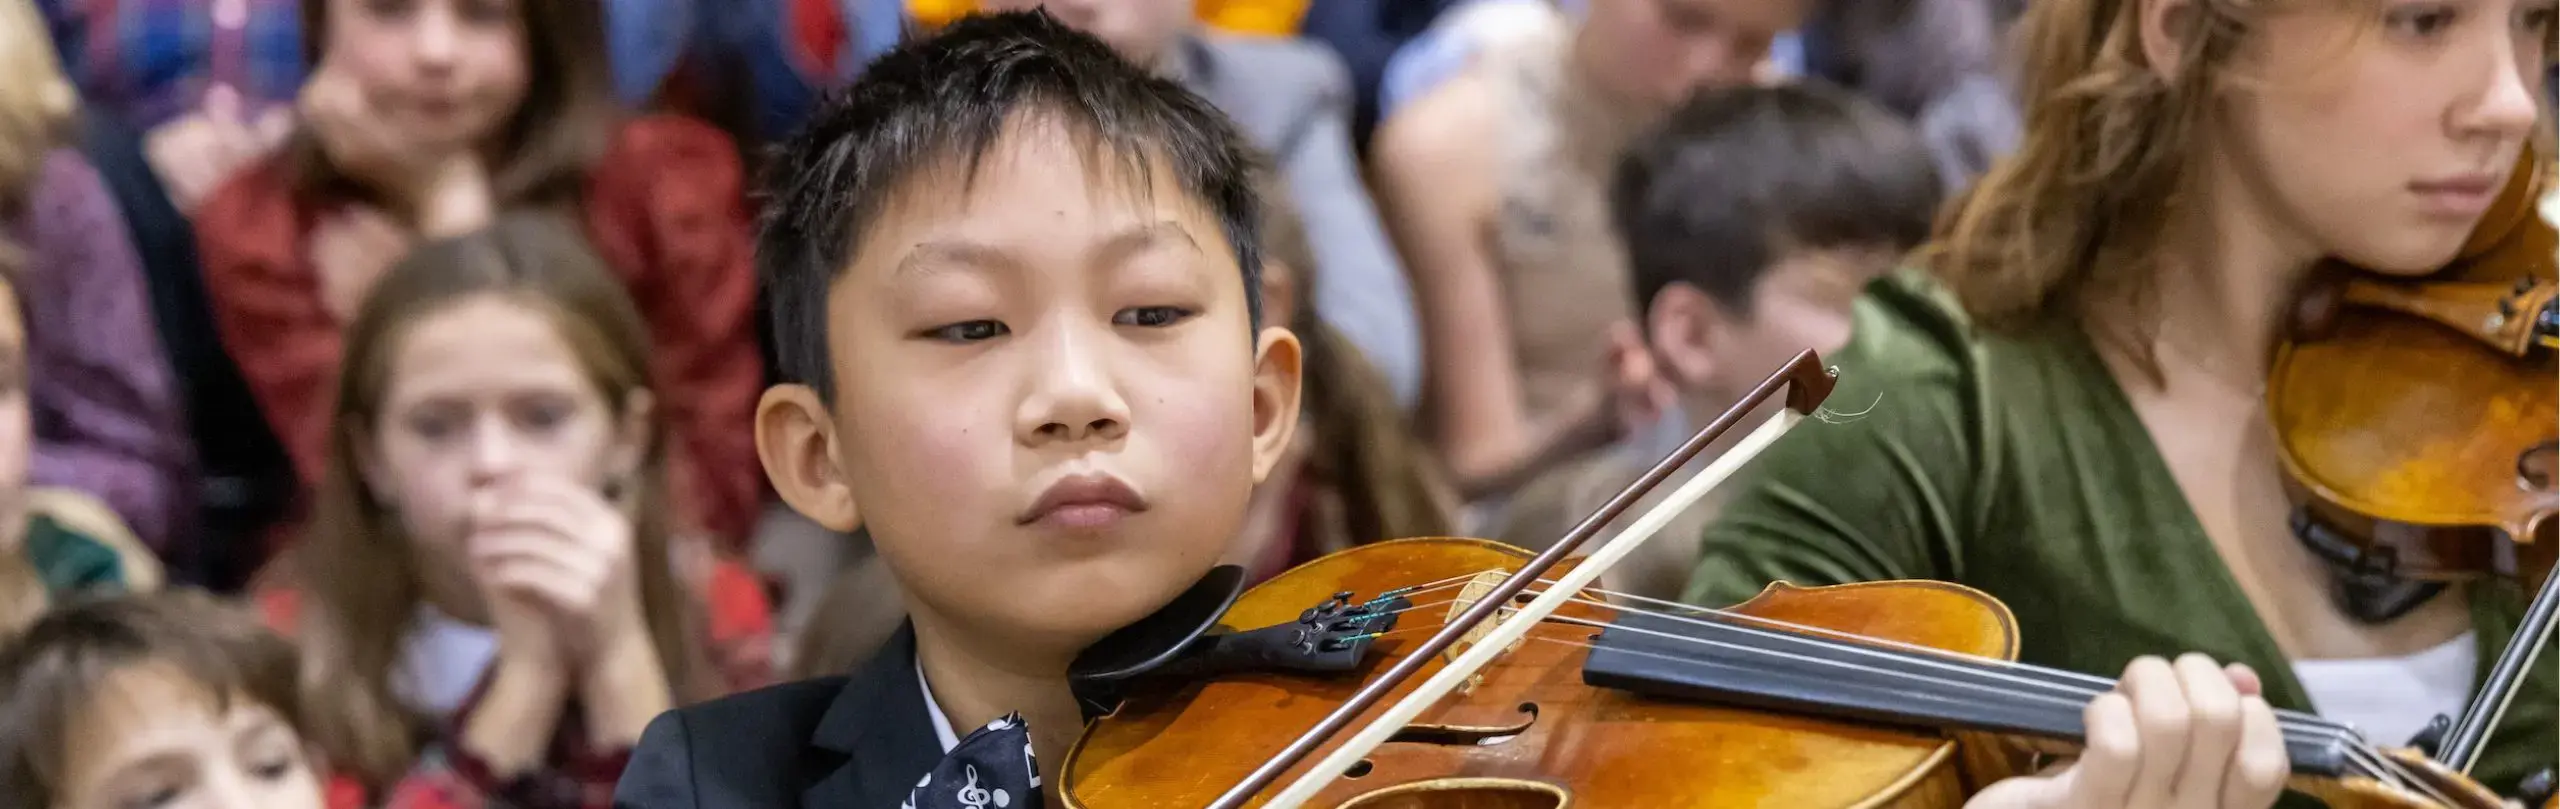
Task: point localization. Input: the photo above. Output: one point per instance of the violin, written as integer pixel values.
(1442, 672)
(2419, 419)
(2419, 425)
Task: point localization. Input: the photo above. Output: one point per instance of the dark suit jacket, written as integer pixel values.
(853, 742)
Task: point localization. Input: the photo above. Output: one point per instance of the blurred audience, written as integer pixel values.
(1494, 185)
(1292, 99)
(104, 413)
(169, 700)
(1935, 62)
(1753, 220)
(425, 119)
(1353, 473)
(55, 543)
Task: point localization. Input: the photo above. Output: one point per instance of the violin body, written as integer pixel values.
(2418, 417)
(1569, 743)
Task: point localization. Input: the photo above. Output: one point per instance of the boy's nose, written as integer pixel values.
(1071, 396)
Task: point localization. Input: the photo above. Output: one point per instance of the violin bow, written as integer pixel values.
(2470, 733)
(1807, 384)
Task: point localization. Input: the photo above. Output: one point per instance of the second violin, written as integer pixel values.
(1464, 673)
(2420, 418)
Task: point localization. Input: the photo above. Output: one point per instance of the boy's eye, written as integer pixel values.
(969, 332)
(1151, 316)
(272, 769)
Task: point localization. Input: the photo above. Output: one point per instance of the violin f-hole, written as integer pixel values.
(1467, 735)
(1473, 792)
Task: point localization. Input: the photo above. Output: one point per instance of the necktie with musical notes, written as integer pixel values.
(992, 769)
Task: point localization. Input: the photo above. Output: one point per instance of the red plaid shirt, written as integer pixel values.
(577, 774)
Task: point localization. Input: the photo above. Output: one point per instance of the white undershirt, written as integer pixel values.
(441, 660)
(941, 724)
(2392, 698)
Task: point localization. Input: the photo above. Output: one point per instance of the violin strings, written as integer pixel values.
(2073, 699)
(2076, 689)
(2359, 760)
(2362, 760)
(2072, 682)
(2298, 723)
(2072, 694)
(2076, 684)
(2359, 755)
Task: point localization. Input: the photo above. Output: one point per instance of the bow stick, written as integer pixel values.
(1807, 384)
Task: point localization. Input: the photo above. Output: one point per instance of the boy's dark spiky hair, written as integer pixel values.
(949, 97)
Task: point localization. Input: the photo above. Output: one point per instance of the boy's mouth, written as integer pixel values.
(1085, 500)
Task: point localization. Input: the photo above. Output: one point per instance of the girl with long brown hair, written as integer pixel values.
(423, 120)
(492, 555)
(2072, 417)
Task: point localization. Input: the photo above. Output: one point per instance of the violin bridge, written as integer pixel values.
(1473, 591)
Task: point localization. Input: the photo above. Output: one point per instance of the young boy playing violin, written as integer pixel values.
(1015, 282)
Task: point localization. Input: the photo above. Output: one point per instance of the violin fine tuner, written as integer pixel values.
(2430, 739)
(1331, 637)
(2538, 789)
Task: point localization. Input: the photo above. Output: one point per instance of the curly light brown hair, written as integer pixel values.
(2105, 152)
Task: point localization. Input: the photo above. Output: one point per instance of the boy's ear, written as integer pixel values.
(795, 438)
(1684, 328)
(1277, 361)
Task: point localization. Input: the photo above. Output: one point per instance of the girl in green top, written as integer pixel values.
(2070, 417)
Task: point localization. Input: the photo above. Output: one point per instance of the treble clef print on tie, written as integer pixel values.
(977, 797)
(991, 769)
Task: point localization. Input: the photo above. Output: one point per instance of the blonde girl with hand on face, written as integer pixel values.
(491, 566)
